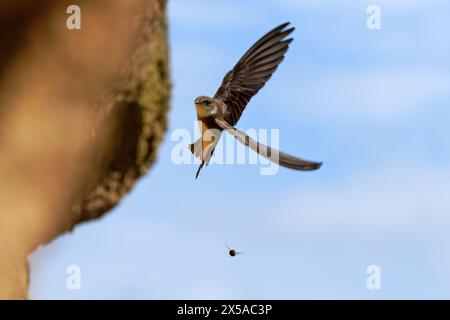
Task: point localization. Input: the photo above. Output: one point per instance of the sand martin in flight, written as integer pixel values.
(240, 84)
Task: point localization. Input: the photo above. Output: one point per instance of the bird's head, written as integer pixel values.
(203, 105)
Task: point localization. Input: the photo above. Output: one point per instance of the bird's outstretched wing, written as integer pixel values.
(252, 71)
(283, 159)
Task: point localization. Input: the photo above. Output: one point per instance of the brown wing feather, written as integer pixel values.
(282, 158)
(252, 71)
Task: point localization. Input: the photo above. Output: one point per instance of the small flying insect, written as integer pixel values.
(232, 252)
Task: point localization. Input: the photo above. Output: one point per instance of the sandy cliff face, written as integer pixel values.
(82, 113)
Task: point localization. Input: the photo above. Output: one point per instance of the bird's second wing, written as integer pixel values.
(283, 159)
(252, 71)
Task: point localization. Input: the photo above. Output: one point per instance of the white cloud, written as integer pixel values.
(375, 95)
(399, 199)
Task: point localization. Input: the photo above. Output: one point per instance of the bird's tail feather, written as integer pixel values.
(199, 168)
(197, 149)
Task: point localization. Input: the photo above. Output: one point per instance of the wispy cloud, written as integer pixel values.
(400, 198)
(370, 95)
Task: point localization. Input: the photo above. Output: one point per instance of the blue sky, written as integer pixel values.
(371, 104)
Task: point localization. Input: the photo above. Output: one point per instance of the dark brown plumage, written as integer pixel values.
(252, 71)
